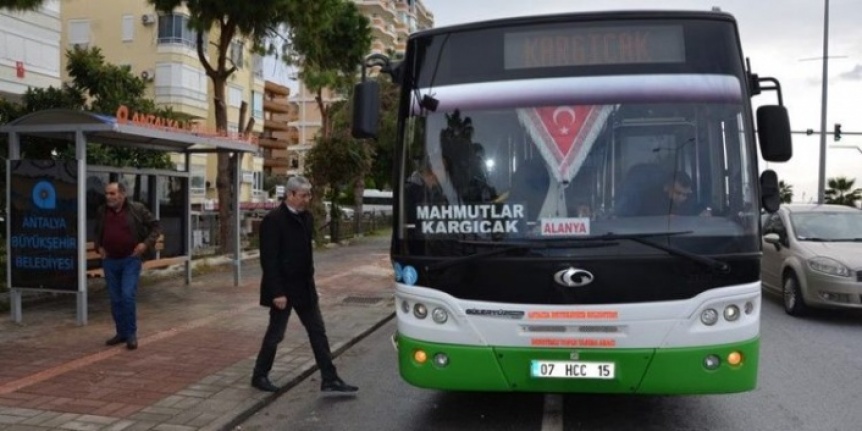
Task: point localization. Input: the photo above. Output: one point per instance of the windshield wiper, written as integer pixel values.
(501, 247)
(580, 242)
(694, 257)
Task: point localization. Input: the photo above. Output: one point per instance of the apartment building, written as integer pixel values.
(29, 50)
(392, 21)
(161, 49)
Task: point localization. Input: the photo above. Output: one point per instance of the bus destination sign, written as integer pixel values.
(594, 46)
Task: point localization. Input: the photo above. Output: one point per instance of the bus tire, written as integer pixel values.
(794, 302)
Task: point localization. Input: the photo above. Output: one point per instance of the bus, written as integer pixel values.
(577, 203)
(377, 202)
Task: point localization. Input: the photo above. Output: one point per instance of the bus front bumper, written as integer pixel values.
(640, 371)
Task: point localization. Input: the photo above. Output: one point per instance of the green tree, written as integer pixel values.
(336, 161)
(257, 21)
(785, 192)
(378, 169)
(329, 54)
(21, 5)
(841, 192)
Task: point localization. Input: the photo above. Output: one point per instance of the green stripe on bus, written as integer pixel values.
(647, 371)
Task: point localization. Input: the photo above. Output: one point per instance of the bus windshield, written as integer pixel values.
(571, 157)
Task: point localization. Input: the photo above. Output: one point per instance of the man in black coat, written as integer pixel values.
(288, 283)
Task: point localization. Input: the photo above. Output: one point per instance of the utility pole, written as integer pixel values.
(821, 187)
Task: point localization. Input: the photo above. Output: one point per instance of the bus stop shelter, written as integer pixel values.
(46, 200)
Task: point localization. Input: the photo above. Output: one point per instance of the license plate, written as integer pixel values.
(572, 369)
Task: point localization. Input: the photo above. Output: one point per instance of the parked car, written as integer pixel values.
(346, 212)
(812, 255)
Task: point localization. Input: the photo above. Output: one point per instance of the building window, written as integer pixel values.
(257, 105)
(128, 28)
(257, 65)
(236, 52)
(198, 181)
(234, 96)
(175, 29)
(258, 181)
(79, 33)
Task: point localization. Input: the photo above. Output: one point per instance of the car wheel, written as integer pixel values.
(794, 303)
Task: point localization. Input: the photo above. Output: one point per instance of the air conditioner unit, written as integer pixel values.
(148, 75)
(148, 19)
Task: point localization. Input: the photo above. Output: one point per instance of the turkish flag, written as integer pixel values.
(564, 134)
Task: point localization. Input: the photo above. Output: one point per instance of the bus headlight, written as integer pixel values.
(709, 317)
(420, 311)
(405, 307)
(440, 315)
(731, 313)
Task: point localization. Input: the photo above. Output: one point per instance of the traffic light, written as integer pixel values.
(837, 133)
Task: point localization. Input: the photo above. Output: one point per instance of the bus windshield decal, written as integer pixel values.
(578, 46)
(589, 90)
(563, 227)
(462, 219)
(564, 134)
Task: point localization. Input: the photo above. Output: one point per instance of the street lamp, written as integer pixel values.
(821, 186)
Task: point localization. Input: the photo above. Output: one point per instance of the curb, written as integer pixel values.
(304, 374)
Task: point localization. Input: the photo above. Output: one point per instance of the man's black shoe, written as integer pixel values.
(263, 384)
(132, 343)
(337, 385)
(115, 340)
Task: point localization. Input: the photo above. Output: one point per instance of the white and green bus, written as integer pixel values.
(577, 203)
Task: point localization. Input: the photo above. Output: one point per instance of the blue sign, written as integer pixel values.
(43, 240)
(45, 195)
(399, 271)
(409, 275)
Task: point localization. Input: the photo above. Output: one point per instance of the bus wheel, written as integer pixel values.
(794, 303)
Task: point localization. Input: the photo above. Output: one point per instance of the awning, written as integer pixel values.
(59, 123)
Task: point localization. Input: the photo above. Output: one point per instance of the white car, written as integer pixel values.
(346, 212)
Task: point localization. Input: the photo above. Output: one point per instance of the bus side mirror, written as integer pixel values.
(770, 197)
(366, 110)
(773, 132)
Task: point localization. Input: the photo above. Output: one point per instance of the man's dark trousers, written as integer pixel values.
(312, 320)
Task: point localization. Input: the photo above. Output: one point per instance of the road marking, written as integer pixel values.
(552, 417)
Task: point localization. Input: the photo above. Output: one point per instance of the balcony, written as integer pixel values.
(278, 144)
(276, 89)
(276, 105)
(271, 124)
(276, 163)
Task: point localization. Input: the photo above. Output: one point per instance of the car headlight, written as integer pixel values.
(828, 266)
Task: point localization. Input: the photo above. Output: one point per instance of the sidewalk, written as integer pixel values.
(197, 346)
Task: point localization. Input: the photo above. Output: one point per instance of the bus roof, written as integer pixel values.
(377, 193)
(579, 16)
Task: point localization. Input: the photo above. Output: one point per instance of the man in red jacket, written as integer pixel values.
(288, 283)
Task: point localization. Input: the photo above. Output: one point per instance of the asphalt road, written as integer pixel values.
(809, 380)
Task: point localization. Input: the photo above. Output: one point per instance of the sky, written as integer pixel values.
(783, 39)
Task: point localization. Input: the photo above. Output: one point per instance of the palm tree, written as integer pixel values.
(841, 192)
(785, 192)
